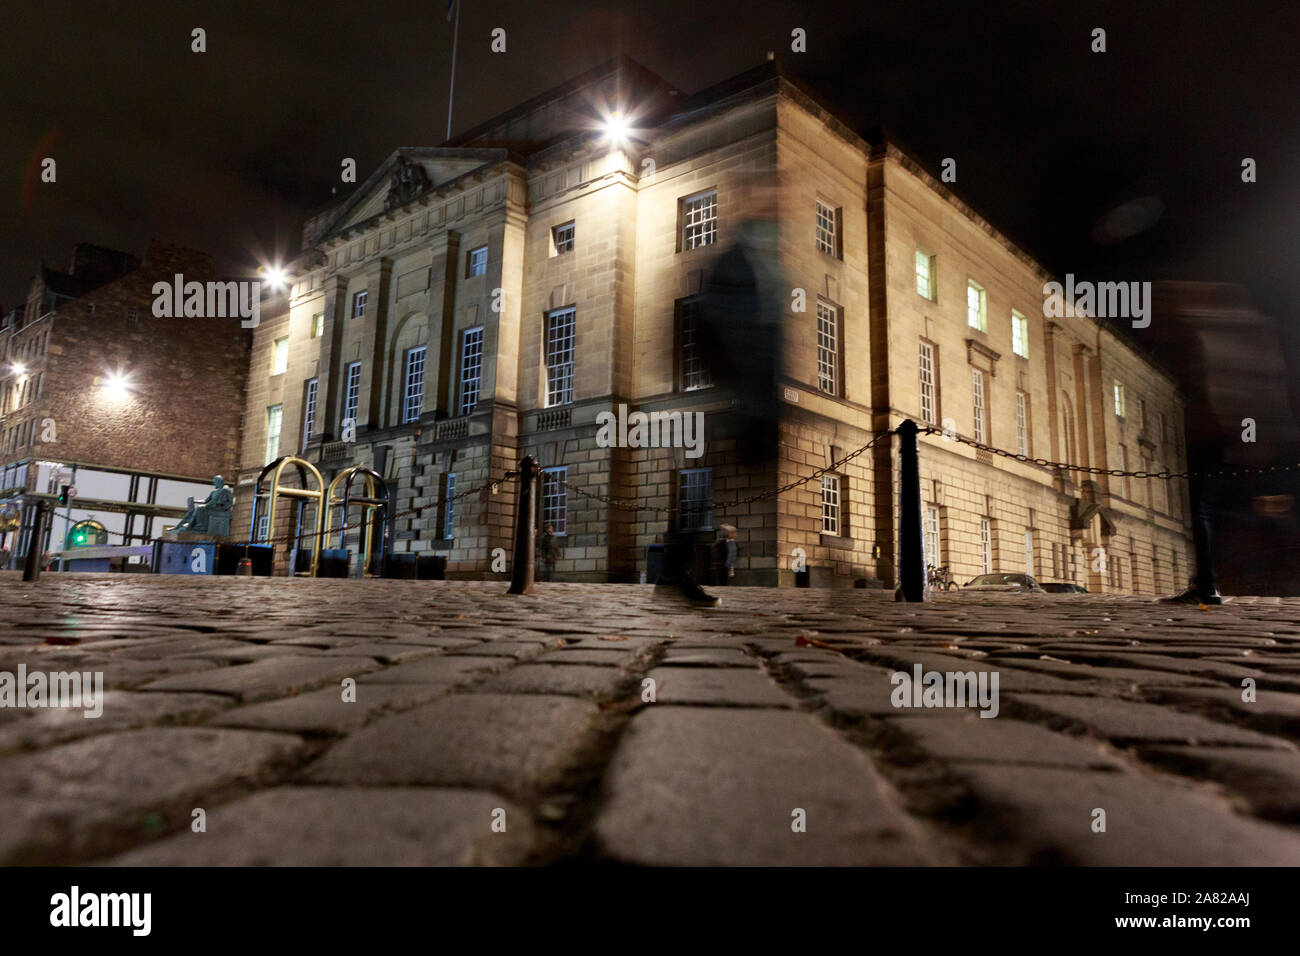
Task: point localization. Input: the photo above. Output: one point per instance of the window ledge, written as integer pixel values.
(839, 542)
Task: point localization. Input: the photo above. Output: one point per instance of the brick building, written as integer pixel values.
(137, 412)
(489, 298)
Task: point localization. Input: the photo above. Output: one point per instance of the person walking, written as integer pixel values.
(547, 550)
(729, 562)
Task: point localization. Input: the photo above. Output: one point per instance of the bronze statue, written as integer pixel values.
(212, 515)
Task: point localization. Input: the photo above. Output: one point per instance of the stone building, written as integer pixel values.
(136, 412)
(490, 298)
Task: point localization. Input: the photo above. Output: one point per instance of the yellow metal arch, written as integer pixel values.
(369, 502)
(316, 497)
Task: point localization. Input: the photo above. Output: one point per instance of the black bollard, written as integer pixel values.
(911, 541)
(522, 569)
(32, 568)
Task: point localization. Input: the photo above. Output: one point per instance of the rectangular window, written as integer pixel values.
(359, 304)
(1022, 423)
(274, 414)
(694, 372)
(1019, 334)
(1119, 399)
(828, 348)
(1163, 425)
(827, 229)
(471, 368)
(555, 490)
(318, 325)
(933, 543)
(280, 356)
(413, 391)
(699, 217)
(695, 498)
(831, 504)
(352, 393)
(476, 262)
(976, 306)
(263, 527)
(1142, 415)
(977, 394)
(562, 239)
(449, 506)
(309, 411)
(1029, 552)
(925, 275)
(986, 546)
(559, 357)
(929, 390)
(1122, 461)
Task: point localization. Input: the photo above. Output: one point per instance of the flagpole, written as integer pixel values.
(451, 96)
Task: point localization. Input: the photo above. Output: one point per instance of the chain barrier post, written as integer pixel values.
(911, 544)
(522, 569)
(32, 567)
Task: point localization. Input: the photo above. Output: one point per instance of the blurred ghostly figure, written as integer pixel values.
(1231, 364)
(742, 305)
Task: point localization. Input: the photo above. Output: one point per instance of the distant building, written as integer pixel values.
(490, 298)
(136, 412)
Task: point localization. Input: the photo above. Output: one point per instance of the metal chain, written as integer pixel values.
(627, 504)
(1112, 472)
(477, 489)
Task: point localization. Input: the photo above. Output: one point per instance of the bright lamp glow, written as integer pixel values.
(276, 277)
(616, 129)
(117, 384)
(19, 368)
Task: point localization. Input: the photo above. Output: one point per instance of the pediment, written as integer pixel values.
(407, 174)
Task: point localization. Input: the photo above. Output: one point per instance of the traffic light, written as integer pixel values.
(63, 495)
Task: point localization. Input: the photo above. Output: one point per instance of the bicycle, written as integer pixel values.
(940, 578)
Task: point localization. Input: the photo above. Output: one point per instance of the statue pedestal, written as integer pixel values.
(203, 554)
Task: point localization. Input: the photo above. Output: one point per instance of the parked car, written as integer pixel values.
(1003, 582)
(1063, 587)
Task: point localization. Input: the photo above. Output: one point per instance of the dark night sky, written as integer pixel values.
(226, 151)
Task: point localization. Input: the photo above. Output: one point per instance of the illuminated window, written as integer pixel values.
(925, 284)
(280, 356)
(274, 415)
(976, 306)
(1019, 334)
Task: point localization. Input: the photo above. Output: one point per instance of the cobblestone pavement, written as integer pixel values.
(497, 729)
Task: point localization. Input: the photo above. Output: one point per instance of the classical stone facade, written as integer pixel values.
(489, 298)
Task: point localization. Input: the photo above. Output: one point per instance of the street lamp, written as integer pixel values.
(616, 129)
(19, 368)
(276, 276)
(117, 385)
